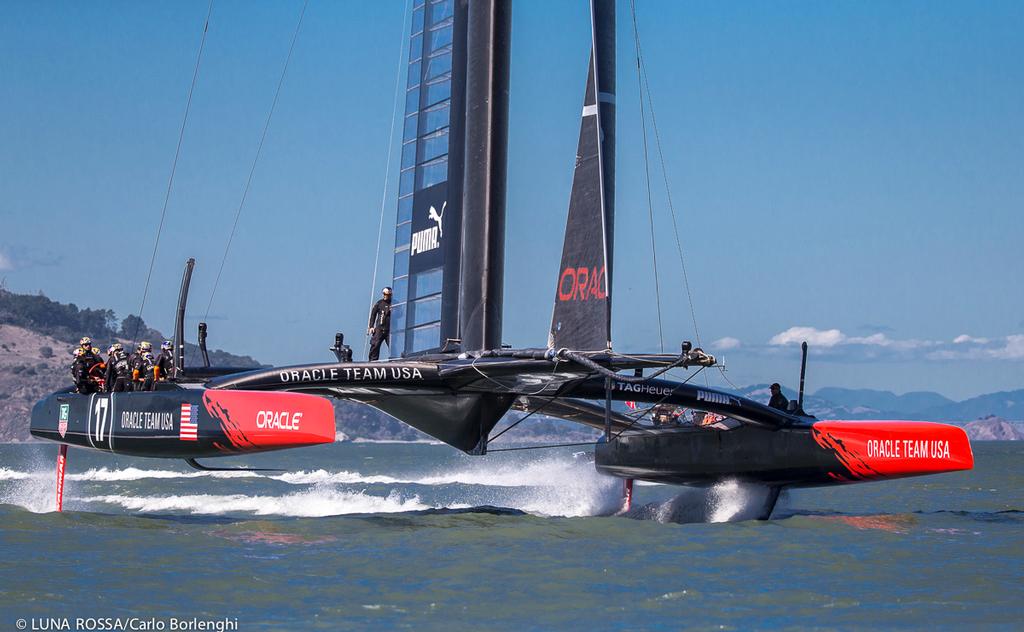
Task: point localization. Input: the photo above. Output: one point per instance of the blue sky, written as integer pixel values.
(855, 169)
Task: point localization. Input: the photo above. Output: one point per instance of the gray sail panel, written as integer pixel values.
(582, 313)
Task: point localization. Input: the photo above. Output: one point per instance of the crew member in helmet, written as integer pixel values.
(142, 367)
(380, 324)
(118, 376)
(80, 371)
(164, 365)
(778, 400)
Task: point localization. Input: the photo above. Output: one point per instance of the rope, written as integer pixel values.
(647, 174)
(255, 160)
(521, 420)
(387, 170)
(661, 156)
(174, 168)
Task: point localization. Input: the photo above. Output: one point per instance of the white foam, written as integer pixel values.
(398, 441)
(12, 475)
(135, 474)
(343, 477)
(315, 502)
(731, 500)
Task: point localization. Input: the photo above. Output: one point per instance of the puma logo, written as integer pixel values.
(432, 214)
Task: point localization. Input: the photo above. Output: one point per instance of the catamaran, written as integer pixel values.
(450, 375)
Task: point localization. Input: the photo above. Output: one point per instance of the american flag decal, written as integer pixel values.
(631, 405)
(189, 426)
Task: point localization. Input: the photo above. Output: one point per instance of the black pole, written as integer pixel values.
(483, 194)
(608, 409)
(202, 345)
(803, 371)
(179, 320)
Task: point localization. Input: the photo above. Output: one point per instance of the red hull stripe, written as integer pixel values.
(256, 420)
(890, 449)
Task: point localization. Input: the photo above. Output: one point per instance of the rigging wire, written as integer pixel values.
(174, 168)
(661, 155)
(387, 169)
(664, 172)
(256, 158)
(647, 175)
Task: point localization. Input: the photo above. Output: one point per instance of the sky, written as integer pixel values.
(846, 173)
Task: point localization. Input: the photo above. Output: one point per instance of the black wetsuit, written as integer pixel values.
(118, 375)
(80, 372)
(779, 401)
(142, 372)
(165, 365)
(380, 326)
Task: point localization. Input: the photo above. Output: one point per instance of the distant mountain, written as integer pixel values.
(843, 403)
(1006, 404)
(993, 428)
(914, 402)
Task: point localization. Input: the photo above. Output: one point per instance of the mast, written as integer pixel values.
(483, 192)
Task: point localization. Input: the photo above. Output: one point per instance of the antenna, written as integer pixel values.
(803, 371)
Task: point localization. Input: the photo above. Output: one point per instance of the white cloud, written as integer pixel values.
(724, 344)
(816, 337)
(1012, 350)
(964, 338)
(5, 262)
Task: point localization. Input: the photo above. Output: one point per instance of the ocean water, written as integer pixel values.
(384, 536)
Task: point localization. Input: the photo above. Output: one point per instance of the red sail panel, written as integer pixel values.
(891, 449)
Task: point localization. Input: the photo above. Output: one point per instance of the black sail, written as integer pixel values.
(582, 314)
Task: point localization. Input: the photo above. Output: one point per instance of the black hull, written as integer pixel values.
(698, 456)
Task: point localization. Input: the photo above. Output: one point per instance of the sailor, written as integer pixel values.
(80, 371)
(380, 324)
(164, 365)
(778, 400)
(665, 415)
(117, 377)
(142, 367)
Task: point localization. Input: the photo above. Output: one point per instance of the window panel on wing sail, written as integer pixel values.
(403, 234)
(432, 173)
(409, 132)
(427, 282)
(424, 338)
(405, 209)
(416, 47)
(399, 292)
(435, 118)
(402, 262)
(397, 344)
(434, 145)
(412, 100)
(438, 90)
(440, 10)
(425, 310)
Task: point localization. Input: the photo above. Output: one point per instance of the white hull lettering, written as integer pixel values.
(142, 420)
(278, 420)
(907, 449)
(381, 373)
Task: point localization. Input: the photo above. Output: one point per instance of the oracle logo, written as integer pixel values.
(582, 284)
(278, 420)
